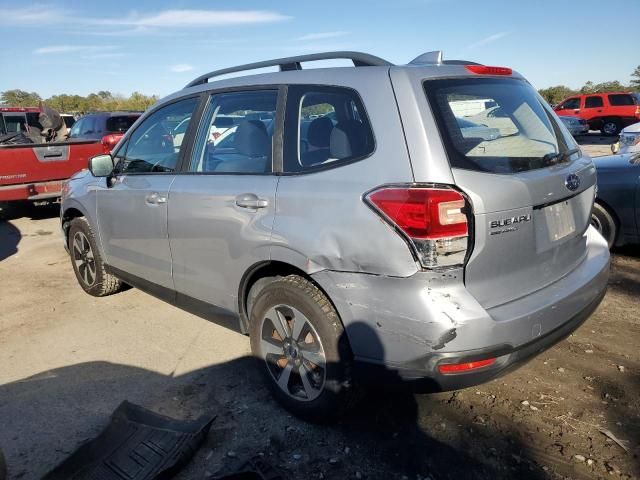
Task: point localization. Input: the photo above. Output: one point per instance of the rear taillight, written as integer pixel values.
(109, 141)
(638, 111)
(432, 219)
(486, 70)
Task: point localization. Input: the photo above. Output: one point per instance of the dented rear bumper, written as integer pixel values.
(407, 326)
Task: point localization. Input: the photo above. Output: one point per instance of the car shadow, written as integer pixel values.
(10, 237)
(45, 417)
(16, 210)
(595, 138)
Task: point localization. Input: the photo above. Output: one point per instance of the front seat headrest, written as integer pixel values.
(251, 139)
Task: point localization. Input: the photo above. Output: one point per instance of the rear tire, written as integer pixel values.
(301, 347)
(610, 127)
(87, 262)
(604, 222)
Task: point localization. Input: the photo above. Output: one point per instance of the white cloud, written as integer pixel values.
(195, 18)
(56, 49)
(137, 23)
(33, 15)
(490, 39)
(181, 68)
(322, 36)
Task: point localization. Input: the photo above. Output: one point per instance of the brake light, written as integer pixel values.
(433, 220)
(448, 368)
(110, 141)
(638, 111)
(486, 70)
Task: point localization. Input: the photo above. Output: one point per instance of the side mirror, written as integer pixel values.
(615, 148)
(101, 165)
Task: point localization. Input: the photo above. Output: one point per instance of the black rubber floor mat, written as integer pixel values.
(136, 445)
(254, 469)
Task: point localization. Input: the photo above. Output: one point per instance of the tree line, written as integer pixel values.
(100, 101)
(107, 101)
(555, 95)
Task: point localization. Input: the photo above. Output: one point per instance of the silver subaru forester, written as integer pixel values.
(423, 224)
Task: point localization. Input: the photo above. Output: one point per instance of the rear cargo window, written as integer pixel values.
(620, 100)
(496, 125)
(120, 124)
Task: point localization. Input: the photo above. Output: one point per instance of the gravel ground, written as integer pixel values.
(67, 360)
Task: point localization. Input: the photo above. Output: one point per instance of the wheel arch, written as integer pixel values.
(261, 274)
(66, 217)
(611, 211)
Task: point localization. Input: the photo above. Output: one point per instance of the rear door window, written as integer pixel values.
(509, 128)
(593, 102)
(324, 127)
(237, 133)
(621, 100)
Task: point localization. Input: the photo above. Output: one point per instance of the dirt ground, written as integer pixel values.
(67, 360)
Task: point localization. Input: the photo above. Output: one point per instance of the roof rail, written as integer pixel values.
(293, 63)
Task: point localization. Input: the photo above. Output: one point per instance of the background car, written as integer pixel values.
(69, 120)
(607, 112)
(629, 140)
(106, 126)
(616, 211)
(575, 125)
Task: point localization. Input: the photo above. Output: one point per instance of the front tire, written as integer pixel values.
(87, 262)
(301, 347)
(604, 222)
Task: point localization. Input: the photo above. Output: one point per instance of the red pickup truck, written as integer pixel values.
(36, 171)
(608, 112)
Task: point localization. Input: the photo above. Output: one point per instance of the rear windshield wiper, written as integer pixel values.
(558, 157)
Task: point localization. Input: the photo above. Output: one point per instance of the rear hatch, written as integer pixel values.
(530, 188)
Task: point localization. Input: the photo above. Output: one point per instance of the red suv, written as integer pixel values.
(608, 112)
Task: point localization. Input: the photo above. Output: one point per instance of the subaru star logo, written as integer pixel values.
(572, 182)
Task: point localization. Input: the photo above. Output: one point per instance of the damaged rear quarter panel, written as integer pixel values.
(406, 318)
(321, 215)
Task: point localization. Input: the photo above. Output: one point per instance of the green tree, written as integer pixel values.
(635, 78)
(19, 98)
(554, 95)
(588, 87)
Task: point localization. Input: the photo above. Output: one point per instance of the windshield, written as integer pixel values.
(496, 125)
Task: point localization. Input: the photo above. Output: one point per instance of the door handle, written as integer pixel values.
(251, 200)
(155, 199)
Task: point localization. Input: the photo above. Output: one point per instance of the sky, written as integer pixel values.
(157, 46)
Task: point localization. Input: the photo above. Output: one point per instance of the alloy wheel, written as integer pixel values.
(610, 128)
(293, 352)
(84, 259)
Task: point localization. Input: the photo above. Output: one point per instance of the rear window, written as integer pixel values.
(621, 100)
(593, 102)
(495, 125)
(121, 123)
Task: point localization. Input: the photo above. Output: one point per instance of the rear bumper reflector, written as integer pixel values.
(449, 368)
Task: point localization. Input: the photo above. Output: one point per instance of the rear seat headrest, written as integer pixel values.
(348, 139)
(319, 132)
